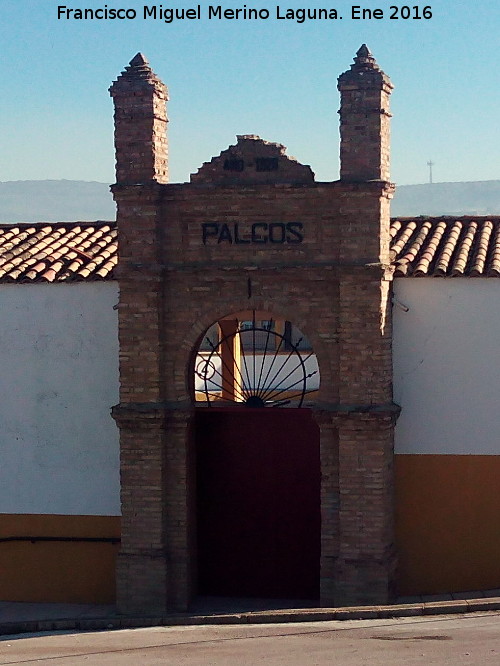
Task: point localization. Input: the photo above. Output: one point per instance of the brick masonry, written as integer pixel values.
(253, 230)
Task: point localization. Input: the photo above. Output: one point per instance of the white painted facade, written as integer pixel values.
(59, 445)
(446, 354)
(59, 378)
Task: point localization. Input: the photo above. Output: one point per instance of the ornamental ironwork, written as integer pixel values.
(256, 366)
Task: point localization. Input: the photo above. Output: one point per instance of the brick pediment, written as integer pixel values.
(253, 161)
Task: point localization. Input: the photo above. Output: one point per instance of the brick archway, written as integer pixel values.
(254, 227)
(257, 460)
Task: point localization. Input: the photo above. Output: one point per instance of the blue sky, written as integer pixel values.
(275, 78)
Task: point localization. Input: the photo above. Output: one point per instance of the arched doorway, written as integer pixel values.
(258, 465)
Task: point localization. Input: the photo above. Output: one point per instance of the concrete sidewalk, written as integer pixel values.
(17, 617)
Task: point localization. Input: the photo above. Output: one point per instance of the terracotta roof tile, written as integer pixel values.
(58, 252)
(446, 246)
(421, 247)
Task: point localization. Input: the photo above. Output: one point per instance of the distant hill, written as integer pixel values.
(76, 200)
(55, 201)
(477, 198)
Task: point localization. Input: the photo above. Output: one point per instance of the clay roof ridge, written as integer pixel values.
(19, 249)
(57, 252)
(494, 260)
(480, 252)
(429, 252)
(402, 238)
(18, 260)
(31, 246)
(41, 223)
(415, 245)
(446, 246)
(448, 251)
(463, 252)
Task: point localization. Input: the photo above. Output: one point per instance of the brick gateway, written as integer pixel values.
(253, 230)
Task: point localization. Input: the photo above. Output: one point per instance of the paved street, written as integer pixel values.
(445, 640)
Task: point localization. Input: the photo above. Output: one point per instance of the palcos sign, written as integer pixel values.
(258, 233)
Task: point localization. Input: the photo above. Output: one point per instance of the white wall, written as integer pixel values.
(447, 365)
(59, 447)
(59, 450)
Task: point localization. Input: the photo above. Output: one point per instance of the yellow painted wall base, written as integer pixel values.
(447, 532)
(53, 571)
(447, 523)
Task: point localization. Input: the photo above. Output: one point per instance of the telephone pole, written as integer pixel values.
(430, 164)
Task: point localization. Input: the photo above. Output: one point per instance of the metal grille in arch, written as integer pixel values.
(255, 363)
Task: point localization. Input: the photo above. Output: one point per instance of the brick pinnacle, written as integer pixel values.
(139, 60)
(364, 59)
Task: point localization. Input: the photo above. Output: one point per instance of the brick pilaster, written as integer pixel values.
(141, 167)
(330, 529)
(140, 124)
(142, 561)
(155, 570)
(364, 120)
(357, 513)
(180, 503)
(366, 561)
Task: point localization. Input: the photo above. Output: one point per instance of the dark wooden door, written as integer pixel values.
(258, 495)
